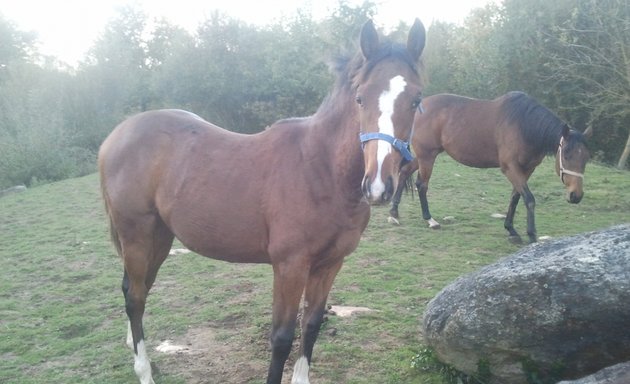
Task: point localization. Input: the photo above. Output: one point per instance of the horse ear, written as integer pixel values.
(588, 133)
(369, 39)
(566, 130)
(416, 39)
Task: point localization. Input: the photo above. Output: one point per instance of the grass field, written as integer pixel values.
(61, 309)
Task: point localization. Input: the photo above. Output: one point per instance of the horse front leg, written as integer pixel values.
(393, 212)
(422, 183)
(320, 281)
(288, 286)
(405, 172)
(426, 159)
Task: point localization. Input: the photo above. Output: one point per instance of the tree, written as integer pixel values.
(592, 54)
(15, 45)
(479, 65)
(438, 59)
(119, 61)
(33, 141)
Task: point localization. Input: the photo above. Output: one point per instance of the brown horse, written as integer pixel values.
(513, 132)
(302, 188)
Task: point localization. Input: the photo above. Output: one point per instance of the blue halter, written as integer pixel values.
(401, 146)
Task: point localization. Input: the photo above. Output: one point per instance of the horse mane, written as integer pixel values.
(540, 127)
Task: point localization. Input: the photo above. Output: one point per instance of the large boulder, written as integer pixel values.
(555, 310)
(617, 374)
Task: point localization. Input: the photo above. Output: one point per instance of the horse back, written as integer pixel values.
(466, 128)
(173, 166)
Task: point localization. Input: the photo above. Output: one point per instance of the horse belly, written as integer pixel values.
(219, 231)
(236, 247)
(478, 156)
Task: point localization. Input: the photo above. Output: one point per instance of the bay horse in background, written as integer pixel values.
(302, 187)
(513, 132)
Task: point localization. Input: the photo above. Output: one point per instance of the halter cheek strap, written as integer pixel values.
(564, 171)
(401, 146)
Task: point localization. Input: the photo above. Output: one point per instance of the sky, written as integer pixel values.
(66, 29)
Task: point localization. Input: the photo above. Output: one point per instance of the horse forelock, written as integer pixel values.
(539, 126)
(575, 138)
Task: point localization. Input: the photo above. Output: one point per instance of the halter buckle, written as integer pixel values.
(400, 145)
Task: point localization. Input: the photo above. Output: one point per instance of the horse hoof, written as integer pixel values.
(434, 224)
(393, 220)
(515, 239)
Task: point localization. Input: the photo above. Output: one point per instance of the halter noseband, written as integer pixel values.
(401, 146)
(564, 171)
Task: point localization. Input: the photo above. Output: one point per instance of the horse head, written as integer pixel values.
(571, 161)
(388, 93)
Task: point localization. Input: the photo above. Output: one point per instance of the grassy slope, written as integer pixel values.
(61, 311)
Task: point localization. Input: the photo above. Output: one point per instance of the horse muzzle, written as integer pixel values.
(574, 198)
(377, 192)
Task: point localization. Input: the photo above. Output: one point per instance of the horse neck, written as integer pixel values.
(337, 129)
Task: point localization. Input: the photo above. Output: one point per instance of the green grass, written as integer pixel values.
(61, 310)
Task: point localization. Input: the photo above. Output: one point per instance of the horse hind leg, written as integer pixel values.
(530, 204)
(519, 178)
(144, 249)
(422, 184)
(509, 218)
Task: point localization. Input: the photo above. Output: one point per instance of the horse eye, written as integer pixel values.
(359, 100)
(416, 103)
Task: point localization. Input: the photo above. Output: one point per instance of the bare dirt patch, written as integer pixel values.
(221, 355)
(203, 355)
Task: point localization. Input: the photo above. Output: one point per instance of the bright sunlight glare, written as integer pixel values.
(67, 29)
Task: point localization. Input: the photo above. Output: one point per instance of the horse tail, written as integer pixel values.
(409, 183)
(113, 233)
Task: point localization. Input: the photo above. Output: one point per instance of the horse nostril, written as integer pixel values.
(365, 186)
(389, 189)
(575, 198)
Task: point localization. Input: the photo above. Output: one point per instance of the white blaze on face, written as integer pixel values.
(386, 103)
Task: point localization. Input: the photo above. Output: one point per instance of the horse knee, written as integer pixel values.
(419, 185)
(282, 340)
(133, 306)
(530, 204)
(314, 324)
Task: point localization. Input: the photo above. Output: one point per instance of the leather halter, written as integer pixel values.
(401, 146)
(564, 171)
